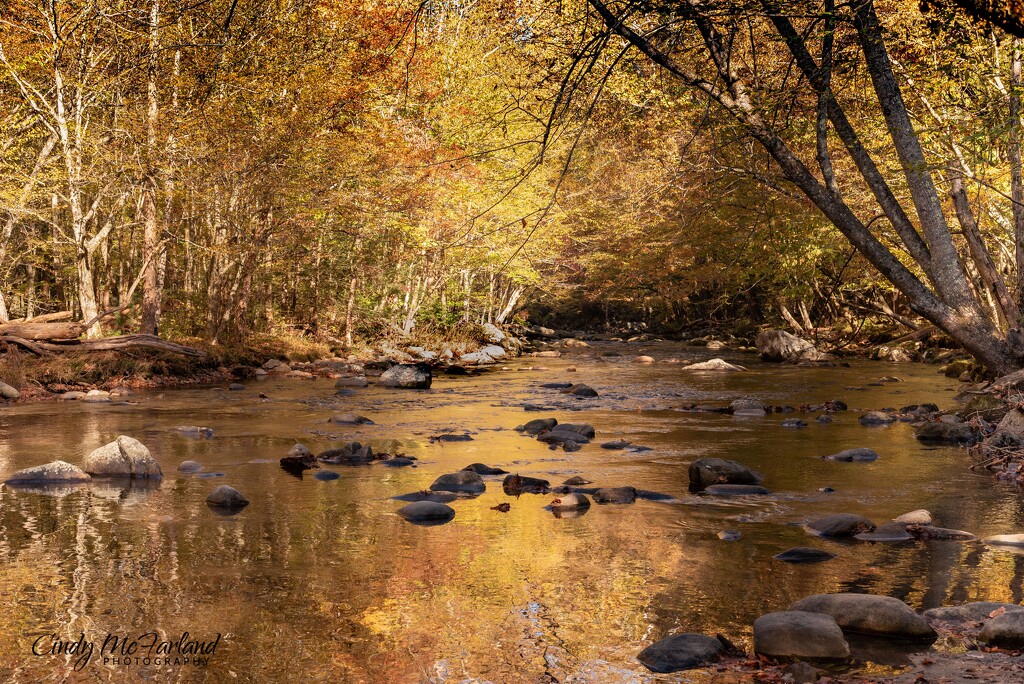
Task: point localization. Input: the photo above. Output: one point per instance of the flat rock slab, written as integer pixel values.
(861, 455)
(804, 554)
(427, 511)
(797, 634)
(681, 652)
(870, 614)
(839, 525)
(57, 472)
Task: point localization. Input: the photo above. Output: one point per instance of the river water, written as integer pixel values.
(321, 581)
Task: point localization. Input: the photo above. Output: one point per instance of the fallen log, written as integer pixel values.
(42, 347)
(32, 330)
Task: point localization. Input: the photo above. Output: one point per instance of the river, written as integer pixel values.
(321, 581)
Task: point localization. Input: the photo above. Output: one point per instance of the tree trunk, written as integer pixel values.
(151, 237)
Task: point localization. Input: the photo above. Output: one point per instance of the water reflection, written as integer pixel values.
(322, 578)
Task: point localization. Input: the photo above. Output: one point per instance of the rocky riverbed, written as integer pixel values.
(501, 577)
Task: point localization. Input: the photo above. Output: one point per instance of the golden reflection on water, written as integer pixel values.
(321, 581)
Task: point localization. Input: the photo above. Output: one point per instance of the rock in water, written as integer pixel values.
(615, 495)
(797, 634)
(804, 554)
(918, 517)
(708, 471)
(580, 391)
(576, 481)
(889, 533)
(8, 392)
(427, 511)
(426, 495)
(349, 419)
(735, 490)
(226, 497)
(516, 484)
(464, 481)
(482, 469)
(963, 615)
(571, 501)
(946, 433)
(1005, 631)
(839, 525)
(539, 425)
(681, 652)
(1005, 540)
(872, 418)
(193, 431)
(870, 614)
(406, 376)
(190, 467)
(124, 457)
(714, 365)
(57, 472)
(351, 381)
(779, 345)
(861, 455)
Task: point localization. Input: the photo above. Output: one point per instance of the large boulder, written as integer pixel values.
(839, 525)
(57, 472)
(1005, 631)
(681, 652)
(463, 481)
(869, 614)
(708, 471)
(406, 376)
(124, 457)
(779, 345)
(797, 634)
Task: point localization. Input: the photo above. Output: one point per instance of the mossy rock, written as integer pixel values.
(985, 406)
(957, 368)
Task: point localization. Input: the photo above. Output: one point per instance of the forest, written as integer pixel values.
(210, 171)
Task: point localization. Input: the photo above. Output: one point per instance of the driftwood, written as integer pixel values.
(42, 347)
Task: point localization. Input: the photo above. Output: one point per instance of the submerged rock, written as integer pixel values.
(576, 481)
(861, 455)
(870, 614)
(729, 535)
(615, 495)
(57, 472)
(193, 431)
(735, 490)
(438, 497)
(708, 471)
(351, 381)
(890, 532)
(839, 525)
(463, 481)
(799, 634)
(804, 554)
(681, 652)
(124, 457)
(352, 453)
(190, 467)
(427, 511)
(226, 497)
(349, 419)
